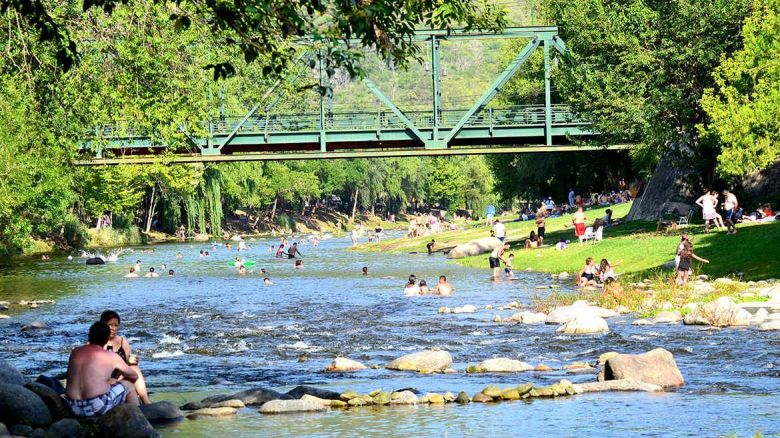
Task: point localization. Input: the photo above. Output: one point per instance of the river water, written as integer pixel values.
(209, 330)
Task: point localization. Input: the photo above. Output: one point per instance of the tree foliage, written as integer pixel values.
(744, 105)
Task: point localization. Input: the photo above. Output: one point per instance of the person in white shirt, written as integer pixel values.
(500, 230)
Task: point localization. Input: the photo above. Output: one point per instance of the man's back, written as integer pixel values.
(89, 370)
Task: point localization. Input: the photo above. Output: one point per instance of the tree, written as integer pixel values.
(743, 106)
(265, 27)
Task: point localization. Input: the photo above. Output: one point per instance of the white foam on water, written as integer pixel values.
(167, 354)
(168, 340)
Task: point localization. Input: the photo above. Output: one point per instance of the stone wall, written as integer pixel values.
(763, 186)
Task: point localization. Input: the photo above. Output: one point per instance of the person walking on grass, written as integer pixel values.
(684, 267)
(500, 230)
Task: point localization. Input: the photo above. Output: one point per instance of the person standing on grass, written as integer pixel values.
(500, 230)
(496, 257)
(708, 202)
(571, 198)
(490, 211)
(730, 204)
(684, 267)
(579, 223)
(541, 217)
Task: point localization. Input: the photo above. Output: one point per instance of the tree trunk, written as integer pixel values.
(99, 222)
(303, 210)
(150, 214)
(257, 218)
(273, 210)
(354, 205)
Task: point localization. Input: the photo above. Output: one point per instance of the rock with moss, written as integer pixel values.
(482, 398)
(383, 398)
(492, 391)
(525, 388)
(462, 398)
(290, 406)
(349, 395)
(510, 394)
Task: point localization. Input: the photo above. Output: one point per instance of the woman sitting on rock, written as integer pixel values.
(120, 345)
(587, 276)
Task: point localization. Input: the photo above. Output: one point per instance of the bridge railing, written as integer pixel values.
(521, 115)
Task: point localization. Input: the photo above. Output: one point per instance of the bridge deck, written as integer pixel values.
(353, 134)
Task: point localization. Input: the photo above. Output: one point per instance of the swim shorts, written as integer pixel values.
(540, 232)
(579, 229)
(494, 263)
(99, 405)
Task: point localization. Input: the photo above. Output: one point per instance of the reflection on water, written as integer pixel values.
(210, 329)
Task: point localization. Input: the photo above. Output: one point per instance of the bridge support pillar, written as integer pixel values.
(547, 104)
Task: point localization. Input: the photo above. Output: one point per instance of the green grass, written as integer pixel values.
(517, 232)
(640, 251)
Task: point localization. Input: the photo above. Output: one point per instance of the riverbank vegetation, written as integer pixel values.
(154, 64)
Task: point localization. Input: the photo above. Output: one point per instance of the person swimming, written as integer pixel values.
(242, 270)
(170, 273)
(444, 287)
(267, 281)
(365, 270)
(237, 262)
(411, 289)
(151, 273)
(424, 287)
(132, 273)
(298, 264)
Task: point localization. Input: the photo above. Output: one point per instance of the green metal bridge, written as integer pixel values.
(386, 132)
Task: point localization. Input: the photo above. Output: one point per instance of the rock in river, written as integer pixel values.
(300, 391)
(668, 317)
(434, 360)
(564, 314)
(584, 324)
(499, 365)
(722, 312)
(35, 325)
(657, 367)
(403, 398)
(527, 318)
(19, 405)
(342, 364)
(125, 421)
(161, 412)
(9, 374)
(289, 406)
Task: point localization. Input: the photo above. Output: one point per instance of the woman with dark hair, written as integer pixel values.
(120, 345)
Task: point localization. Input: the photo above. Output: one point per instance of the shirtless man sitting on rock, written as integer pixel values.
(90, 389)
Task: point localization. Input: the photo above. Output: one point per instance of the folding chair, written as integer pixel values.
(684, 221)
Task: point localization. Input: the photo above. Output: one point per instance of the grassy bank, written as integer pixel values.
(517, 232)
(754, 251)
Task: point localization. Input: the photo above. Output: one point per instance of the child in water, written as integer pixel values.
(508, 268)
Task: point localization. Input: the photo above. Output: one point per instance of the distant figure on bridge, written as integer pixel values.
(490, 211)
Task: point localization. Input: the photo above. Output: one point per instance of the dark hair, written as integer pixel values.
(588, 260)
(151, 269)
(413, 277)
(441, 277)
(423, 283)
(170, 272)
(108, 315)
(99, 333)
(511, 255)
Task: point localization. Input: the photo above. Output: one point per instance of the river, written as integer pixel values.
(208, 330)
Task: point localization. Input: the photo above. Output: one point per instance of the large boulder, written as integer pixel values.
(656, 367)
(95, 261)
(432, 360)
(9, 374)
(34, 326)
(342, 364)
(722, 312)
(475, 247)
(773, 324)
(584, 324)
(300, 391)
(403, 398)
(500, 365)
(125, 421)
(564, 314)
(162, 412)
(19, 405)
(57, 406)
(289, 406)
(65, 428)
